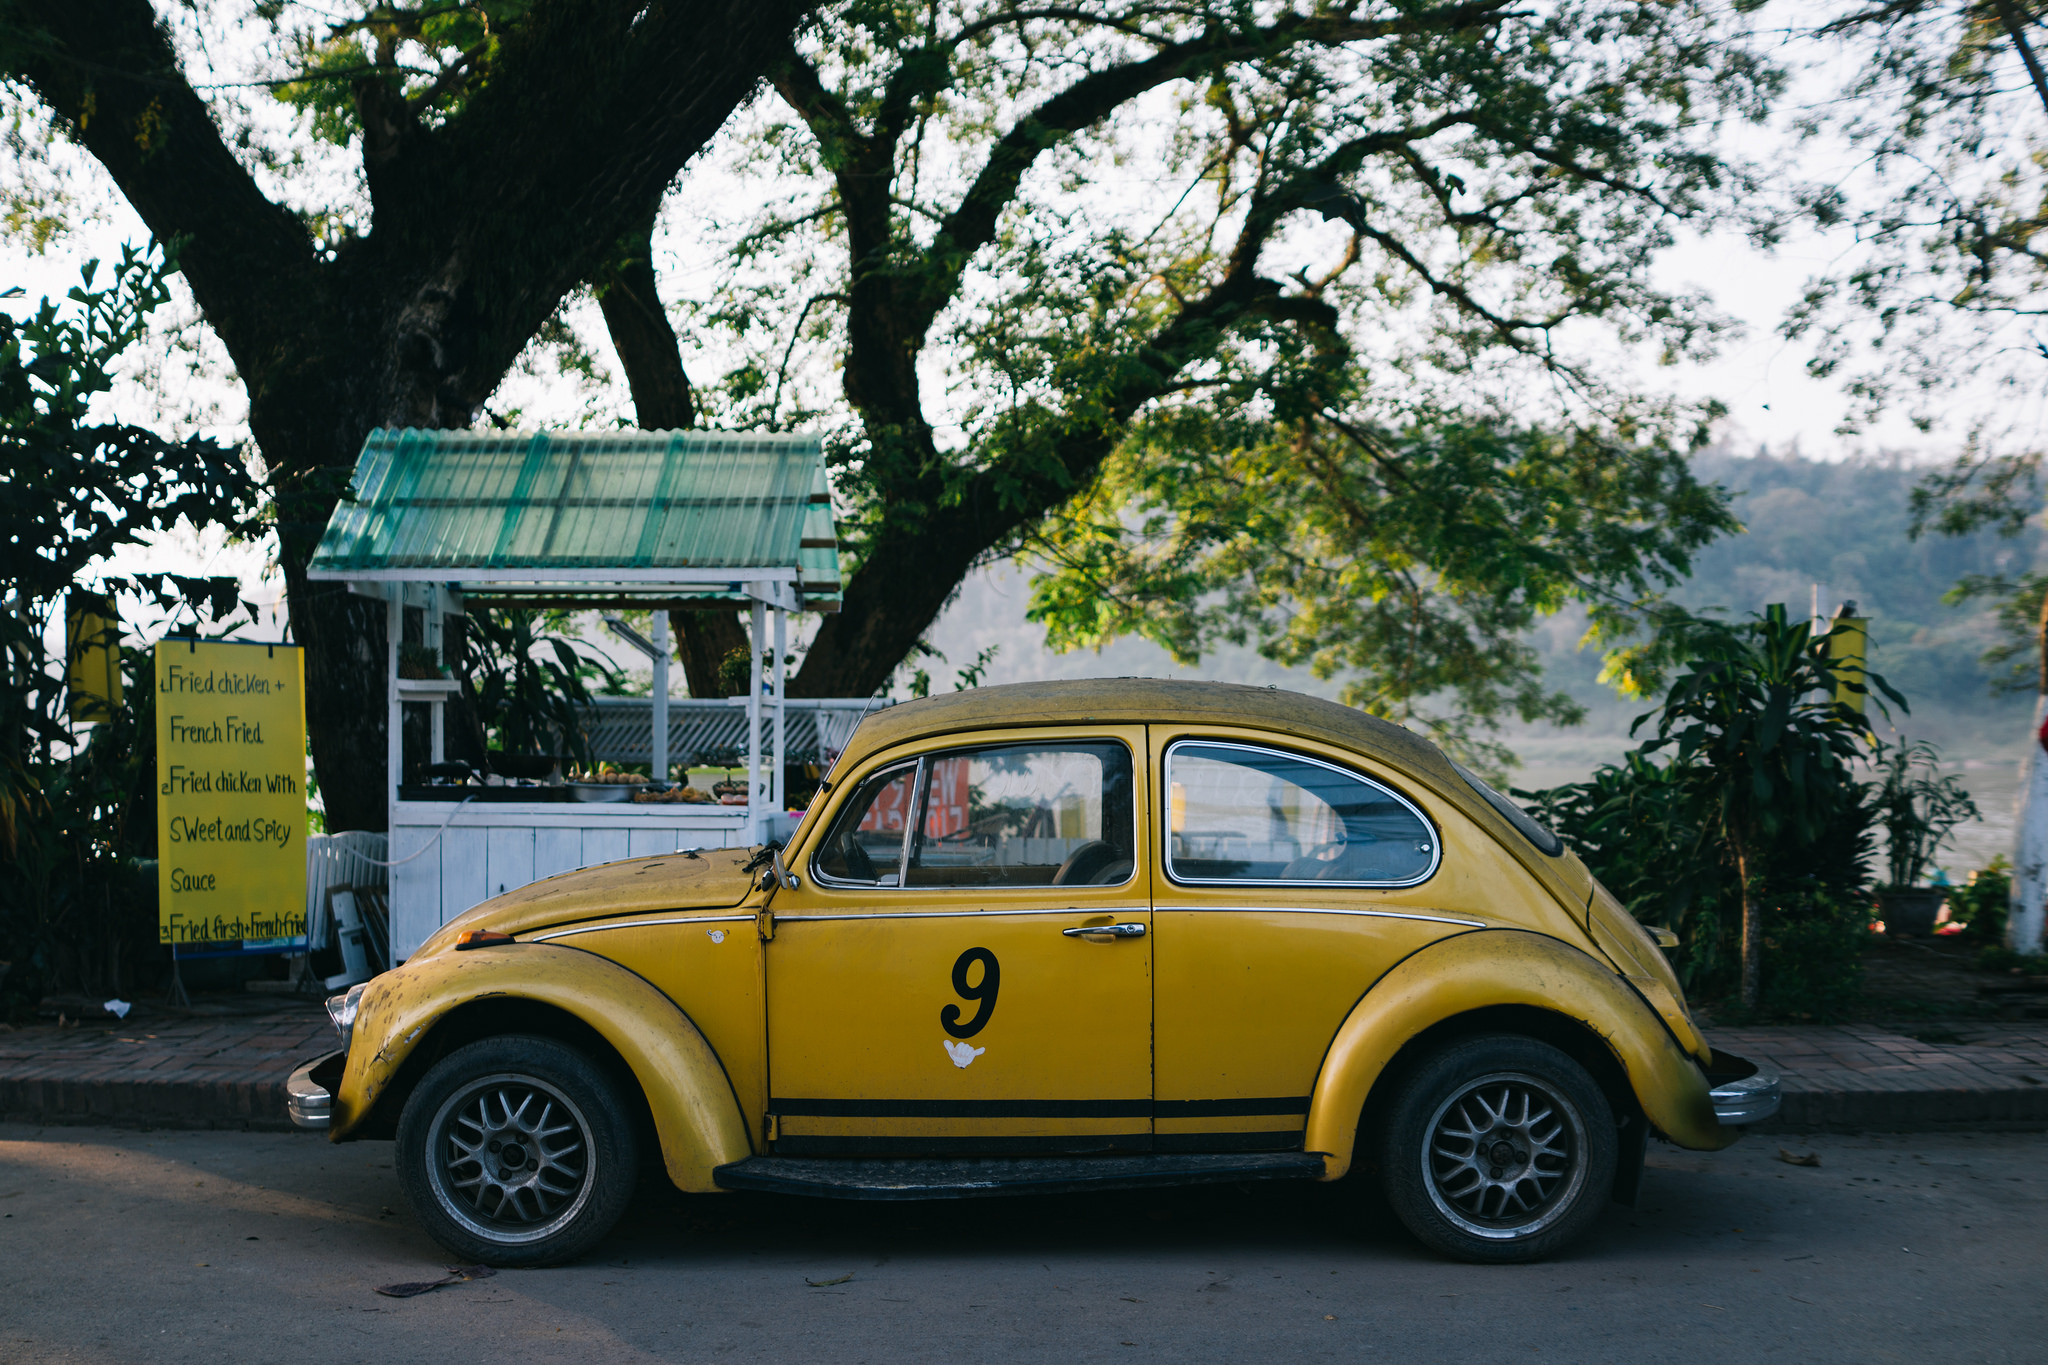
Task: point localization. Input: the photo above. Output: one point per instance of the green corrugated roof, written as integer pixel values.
(582, 514)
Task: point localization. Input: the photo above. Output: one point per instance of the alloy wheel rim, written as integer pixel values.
(510, 1158)
(1505, 1156)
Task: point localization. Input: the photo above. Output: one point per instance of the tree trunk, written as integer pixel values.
(1752, 935)
(703, 640)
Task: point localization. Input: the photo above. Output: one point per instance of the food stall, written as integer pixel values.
(442, 522)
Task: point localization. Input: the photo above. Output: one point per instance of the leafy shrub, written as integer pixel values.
(1981, 904)
(1813, 957)
(1741, 825)
(77, 813)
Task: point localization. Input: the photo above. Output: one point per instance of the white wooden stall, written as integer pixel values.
(648, 520)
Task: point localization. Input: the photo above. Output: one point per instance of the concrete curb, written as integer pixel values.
(146, 1103)
(228, 1072)
(1910, 1111)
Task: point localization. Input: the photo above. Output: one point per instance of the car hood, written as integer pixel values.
(704, 879)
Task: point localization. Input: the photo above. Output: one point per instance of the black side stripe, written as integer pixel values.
(1207, 1109)
(1036, 1109)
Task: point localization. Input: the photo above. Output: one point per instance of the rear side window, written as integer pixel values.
(1523, 822)
(1239, 813)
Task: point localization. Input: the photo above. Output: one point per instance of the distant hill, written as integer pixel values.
(1843, 525)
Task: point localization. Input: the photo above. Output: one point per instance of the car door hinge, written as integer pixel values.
(770, 1129)
(764, 924)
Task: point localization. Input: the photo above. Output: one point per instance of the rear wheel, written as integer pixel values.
(1498, 1148)
(517, 1151)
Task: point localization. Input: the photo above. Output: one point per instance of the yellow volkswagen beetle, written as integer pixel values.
(1059, 936)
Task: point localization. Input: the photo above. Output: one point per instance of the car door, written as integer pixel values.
(965, 964)
(1290, 879)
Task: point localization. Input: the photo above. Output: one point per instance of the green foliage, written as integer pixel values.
(1755, 712)
(1638, 826)
(736, 673)
(1945, 104)
(1917, 808)
(77, 807)
(1948, 106)
(1411, 562)
(1262, 325)
(1813, 957)
(1982, 903)
(970, 675)
(1742, 822)
(1999, 958)
(431, 56)
(527, 683)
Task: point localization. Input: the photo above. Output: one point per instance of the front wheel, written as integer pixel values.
(516, 1151)
(1498, 1148)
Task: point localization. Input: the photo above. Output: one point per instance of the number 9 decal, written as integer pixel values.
(984, 992)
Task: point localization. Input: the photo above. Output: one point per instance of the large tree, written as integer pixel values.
(1949, 282)
(1175, 260)
(1025, 243)
(501, 154)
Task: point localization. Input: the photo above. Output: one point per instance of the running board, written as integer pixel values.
(973, 1177)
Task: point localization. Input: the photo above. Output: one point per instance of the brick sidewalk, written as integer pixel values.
(202, 1070)
(227, 1070)
(1863, 1076)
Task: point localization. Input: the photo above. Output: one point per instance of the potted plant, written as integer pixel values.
(421, 663)
(1918, 808)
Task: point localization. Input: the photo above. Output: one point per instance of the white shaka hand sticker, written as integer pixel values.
(963, 1054)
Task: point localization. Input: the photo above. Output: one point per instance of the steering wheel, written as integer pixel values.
(859, 866)
(1085, 862)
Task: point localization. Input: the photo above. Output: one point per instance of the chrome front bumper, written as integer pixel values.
(310, 1102)
(1744, 1099)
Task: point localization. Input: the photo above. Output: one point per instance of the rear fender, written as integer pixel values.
(1475, 971)
(696, 1116)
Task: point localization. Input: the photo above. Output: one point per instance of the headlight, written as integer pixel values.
(342, 1010)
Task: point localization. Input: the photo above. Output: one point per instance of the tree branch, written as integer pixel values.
(1093, 98)
(108, 71)
(649, 353)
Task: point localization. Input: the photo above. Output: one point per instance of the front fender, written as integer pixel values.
(1506, 967)
(696, 1115)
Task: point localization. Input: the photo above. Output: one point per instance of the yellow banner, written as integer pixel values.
(231, 793)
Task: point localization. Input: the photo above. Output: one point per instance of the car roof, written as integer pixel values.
(1155, 701)
(1166, 701)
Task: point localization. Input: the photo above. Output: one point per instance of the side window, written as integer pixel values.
(1241, 814)
(865, 847)
(1026, 815)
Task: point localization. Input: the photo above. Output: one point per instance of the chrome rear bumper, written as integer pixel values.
(309, 1102)
(1744, 1099)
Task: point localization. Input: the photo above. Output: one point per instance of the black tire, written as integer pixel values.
(517, 1151)
(1498, 1149)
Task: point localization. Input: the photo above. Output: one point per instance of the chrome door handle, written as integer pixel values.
(1106, 931)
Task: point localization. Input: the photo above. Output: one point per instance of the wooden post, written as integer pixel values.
(659, 765)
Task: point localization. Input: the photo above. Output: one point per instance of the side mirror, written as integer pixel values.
(777, 874)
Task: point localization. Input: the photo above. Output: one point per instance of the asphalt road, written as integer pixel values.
(188, 1246)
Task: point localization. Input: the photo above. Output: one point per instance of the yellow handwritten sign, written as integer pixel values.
(231, 793)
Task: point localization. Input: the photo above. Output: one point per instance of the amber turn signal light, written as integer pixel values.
(482, 938)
